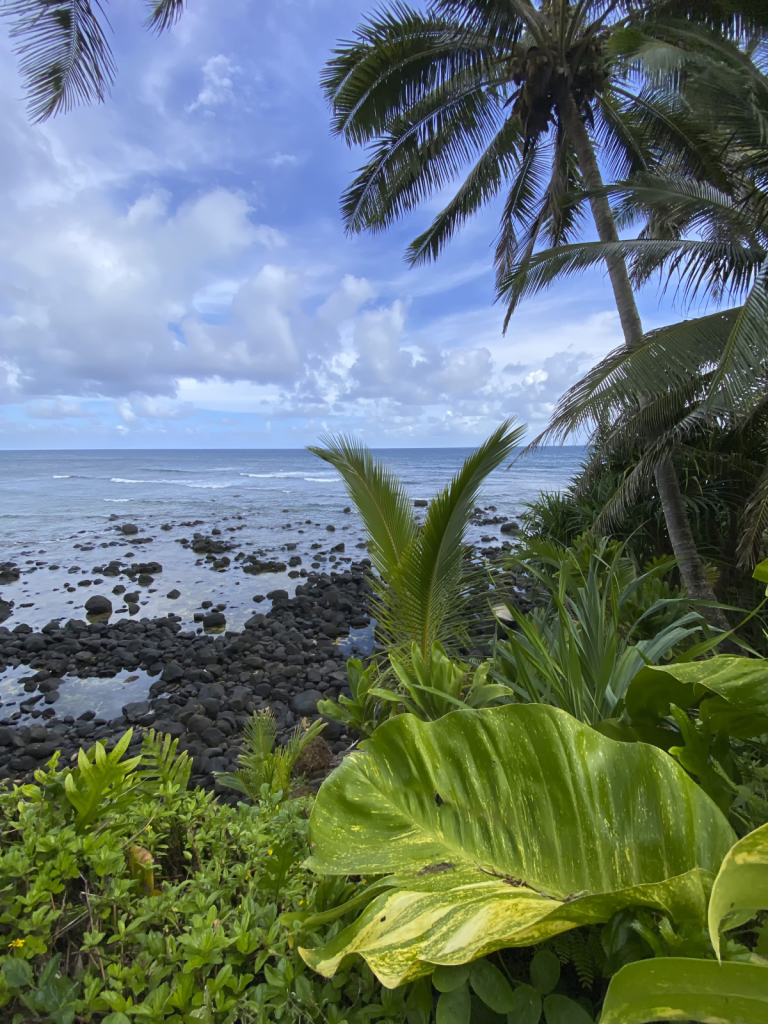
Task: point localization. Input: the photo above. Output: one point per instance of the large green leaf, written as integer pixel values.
(504, 827)
(741, 886)
(673, 988)
(733, 692)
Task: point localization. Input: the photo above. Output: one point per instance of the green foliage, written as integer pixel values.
(712, 715)
(363, 711)
(741, 886)
(423, 584)
(433, 686)
(260, 764)
(673, 989)
(452, 810)
(582, 648)
(198, 924)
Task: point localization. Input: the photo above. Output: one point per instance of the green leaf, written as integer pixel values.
(677, 989)
(454, 1007)
(446, 978)
(741, 886)
(116, 1018)
(562, 1010)
(491, 985)
(17, 973)
(761, 572)
(526, 1006)
(506, 826)
(735, 691)
(545, 971)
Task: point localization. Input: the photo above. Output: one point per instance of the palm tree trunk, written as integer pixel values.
(667, 483)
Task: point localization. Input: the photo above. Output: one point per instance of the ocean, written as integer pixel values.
(58, 509)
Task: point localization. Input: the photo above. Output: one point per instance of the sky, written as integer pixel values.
(174, 271)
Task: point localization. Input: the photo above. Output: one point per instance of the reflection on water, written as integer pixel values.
(105, 697)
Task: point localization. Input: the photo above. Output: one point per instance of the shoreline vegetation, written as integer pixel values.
(543, 796)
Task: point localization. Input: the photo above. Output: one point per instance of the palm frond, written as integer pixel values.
(431, 571)
(481, 185)
(379, 497)
(746, 349)
(700, 266)
(163, 14)
(65, 55)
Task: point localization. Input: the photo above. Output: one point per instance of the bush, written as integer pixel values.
(125, 897)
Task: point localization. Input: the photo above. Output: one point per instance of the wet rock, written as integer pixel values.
(129, 529)
(278, 595)
(214, 620)
(254, 566)
(173, 594)
(136, 709)
(172, 672)
(197, 724)
(305, 704)
(420, 503)
(97, 604)
(145, 580)
(330, 528)
(510, 527)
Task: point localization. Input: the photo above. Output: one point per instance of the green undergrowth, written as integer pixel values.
(126, 897)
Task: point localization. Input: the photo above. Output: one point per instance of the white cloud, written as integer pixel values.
(56, 410)
(218, 82)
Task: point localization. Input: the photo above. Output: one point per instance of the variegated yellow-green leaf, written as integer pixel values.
(677, 989)
(504, 827)
(741, 886)
(735, 692)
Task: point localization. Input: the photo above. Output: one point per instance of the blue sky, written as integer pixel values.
(174, 273)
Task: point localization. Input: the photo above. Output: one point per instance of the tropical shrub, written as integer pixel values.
(600, 621)
(689, 989)
(126, 898)
(261, 764)
(506, 827)
(422, 590)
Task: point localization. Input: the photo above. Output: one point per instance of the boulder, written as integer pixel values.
(214, 620)
(509, 527)
(173, 594)
(129, 529)
(172, 672)
(420, 503)
(97, 604)
(305, 703)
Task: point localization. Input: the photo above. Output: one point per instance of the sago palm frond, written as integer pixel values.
(423, 572)
(431, 570)
(380, 498)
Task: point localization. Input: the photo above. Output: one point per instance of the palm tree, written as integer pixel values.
(424, 577)
(65, 55)
(703, 374)
(485, 80)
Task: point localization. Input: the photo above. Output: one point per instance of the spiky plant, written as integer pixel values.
(65, 57)
(261, 763)
(422, 588)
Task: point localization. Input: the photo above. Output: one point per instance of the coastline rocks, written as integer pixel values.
(129, 529)
(205, 685)
(253, 565)
(98, 605)
(420, 503)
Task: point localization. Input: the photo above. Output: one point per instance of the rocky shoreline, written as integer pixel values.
(206, 685)
(205, 681)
